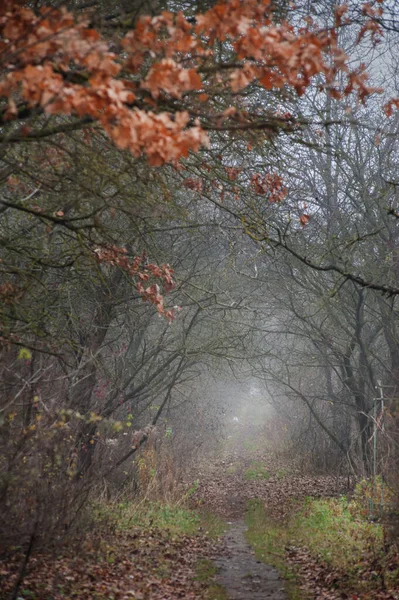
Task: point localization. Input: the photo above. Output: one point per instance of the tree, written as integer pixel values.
(86, 120)
(338, 192)
(55, 64)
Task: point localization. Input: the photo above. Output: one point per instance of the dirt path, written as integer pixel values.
(241, 575)
(226, 487)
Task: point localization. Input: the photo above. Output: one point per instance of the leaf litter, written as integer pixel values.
(225, 490)
(153, 564)
(138, 565)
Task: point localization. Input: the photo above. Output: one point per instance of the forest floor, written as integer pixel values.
(299, 524)
(236, 541)
(228, 488)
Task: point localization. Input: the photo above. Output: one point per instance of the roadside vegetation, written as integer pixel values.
(133, 549)
(269, 539)
(199, 283)
(175, 519)
(332, 543)
(206, 572)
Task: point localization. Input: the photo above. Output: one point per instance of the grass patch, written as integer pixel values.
(124, 516)
(205, 570)
(335, 532)
(329, 528)
(212, 525)
(269, 541)
(173, 519)
(257, 471)
(232, 469)
(205, 573)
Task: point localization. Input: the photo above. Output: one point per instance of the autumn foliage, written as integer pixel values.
(153, 95)
(143, 272)
(152, 91)
(90, 110)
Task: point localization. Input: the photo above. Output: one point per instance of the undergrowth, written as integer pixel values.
(130, 544)
(331, 530)
(337, 532)
(171, 518)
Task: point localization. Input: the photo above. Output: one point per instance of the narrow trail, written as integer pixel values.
(241, 575)
(227, 486)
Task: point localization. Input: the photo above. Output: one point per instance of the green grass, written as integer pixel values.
(212, 525)
(333, 531)
(257, 471)
(174, 519)
(124, 516)
(330, 529)
(340, 533)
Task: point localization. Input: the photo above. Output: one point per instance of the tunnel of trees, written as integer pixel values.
(192, 192)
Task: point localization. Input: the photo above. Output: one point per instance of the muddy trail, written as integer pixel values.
(241, 575)
(153, 561)
(226, 487)
(249, 484)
